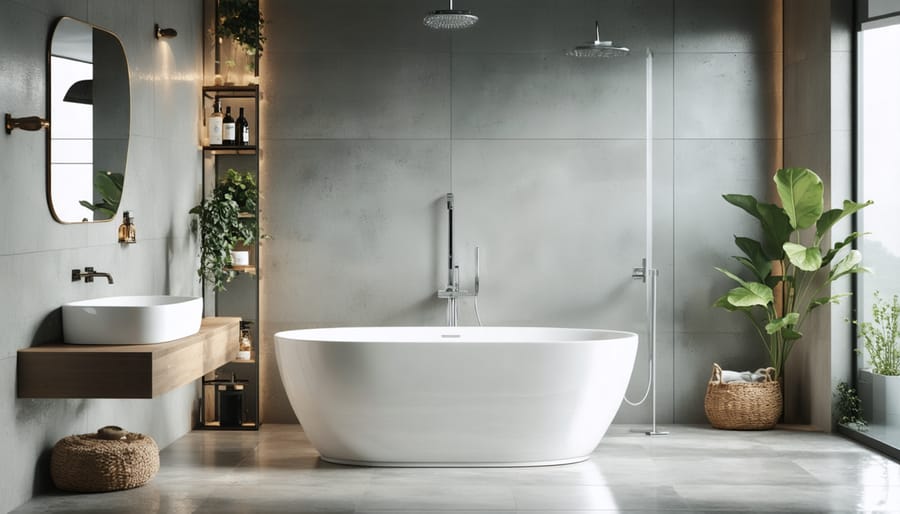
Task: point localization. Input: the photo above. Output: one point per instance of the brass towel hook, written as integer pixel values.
(27, 123)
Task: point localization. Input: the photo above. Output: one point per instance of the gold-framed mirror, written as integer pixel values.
(89, 109)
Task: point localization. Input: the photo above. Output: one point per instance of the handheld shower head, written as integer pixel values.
(449, 201)
(597, 48)
(449, 19)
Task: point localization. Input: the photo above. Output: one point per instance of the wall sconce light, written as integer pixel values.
(29, 123)
(160, 33)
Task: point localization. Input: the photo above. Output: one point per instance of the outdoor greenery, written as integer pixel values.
(789, 278)
(881, 336)
(849, 408)
(222, 228)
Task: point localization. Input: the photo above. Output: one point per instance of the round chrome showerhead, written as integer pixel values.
(597, 48)
(449, 19)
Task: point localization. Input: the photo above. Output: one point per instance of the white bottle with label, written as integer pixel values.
(214, 124)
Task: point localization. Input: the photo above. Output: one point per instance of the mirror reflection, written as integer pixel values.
(90, 112)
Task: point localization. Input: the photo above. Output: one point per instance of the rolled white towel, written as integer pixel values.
(741, 376)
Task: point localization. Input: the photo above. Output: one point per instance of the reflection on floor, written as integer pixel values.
(885, 438)
(693, 469)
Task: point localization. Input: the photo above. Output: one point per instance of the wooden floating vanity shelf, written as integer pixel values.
(126, 371)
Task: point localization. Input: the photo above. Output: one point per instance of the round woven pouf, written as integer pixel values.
(109, 460)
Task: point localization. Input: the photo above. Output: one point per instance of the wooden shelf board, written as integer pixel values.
(214, 425)
(244, 269)
(233, 91)
(231, 149)
(125, 371)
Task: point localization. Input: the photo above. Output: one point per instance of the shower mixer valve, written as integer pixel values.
(452, 292)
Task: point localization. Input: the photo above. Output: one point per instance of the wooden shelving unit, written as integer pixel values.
(241, 298)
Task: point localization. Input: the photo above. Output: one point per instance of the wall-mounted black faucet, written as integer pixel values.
(89, 275)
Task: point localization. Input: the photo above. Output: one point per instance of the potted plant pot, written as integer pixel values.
(879, 386)
(240, 258)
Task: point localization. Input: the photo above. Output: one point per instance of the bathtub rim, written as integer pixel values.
(616, 335)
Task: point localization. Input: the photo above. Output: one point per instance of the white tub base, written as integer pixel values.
(473, 464)
(455, 396)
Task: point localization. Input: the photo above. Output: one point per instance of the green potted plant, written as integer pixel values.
(879, 386)
(226, 218)
(791, 271)
(241, 22)
(849, 408)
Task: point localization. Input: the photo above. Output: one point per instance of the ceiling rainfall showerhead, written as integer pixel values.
(449, 19)
(597, 48)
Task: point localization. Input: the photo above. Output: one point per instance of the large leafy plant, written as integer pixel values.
(790, 278)
(222, 227)
(108, 186)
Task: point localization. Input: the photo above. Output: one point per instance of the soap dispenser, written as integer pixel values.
(127, 232)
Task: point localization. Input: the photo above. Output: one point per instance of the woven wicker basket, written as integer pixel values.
(743, 405)
(91, 463)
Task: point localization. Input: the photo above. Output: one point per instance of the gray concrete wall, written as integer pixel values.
(37, 254)
(369, 118)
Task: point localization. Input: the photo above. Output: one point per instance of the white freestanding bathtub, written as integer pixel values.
(455, 396)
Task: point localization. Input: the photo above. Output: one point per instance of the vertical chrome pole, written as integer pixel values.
(651, 273)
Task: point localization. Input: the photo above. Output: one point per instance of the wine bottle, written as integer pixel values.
(242, 129)
(214, 124)
(228, 127)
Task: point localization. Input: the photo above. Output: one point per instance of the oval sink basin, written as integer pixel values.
(131, 319)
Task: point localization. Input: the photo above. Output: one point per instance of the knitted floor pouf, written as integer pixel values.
(110, 460)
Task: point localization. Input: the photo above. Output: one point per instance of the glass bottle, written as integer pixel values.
(127, 231)
(246, 342)
(228, 128)
(214, 124)
(242, 129)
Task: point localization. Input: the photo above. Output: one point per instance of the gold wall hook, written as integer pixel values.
(27, 123)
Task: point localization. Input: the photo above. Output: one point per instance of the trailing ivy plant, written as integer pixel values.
(881, 336)
(849, 407)
(789, 279)
(222, 228)
(241, 21)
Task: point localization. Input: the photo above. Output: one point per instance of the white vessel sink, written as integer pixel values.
(131, 319)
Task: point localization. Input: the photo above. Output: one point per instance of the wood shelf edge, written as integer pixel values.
(125, 371)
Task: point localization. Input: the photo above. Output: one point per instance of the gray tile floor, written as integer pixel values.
(695, 469)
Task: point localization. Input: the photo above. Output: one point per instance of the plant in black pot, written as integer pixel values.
(224, 222)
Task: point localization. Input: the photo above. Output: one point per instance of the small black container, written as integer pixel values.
(230, 402)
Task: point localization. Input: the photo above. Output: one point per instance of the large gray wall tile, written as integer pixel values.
(728, 95)
(705, 224)
(561, 225)
(733, 26)
(526, 96)
(359, 219)
(351, 26)
(357, 95)
(510, 26)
